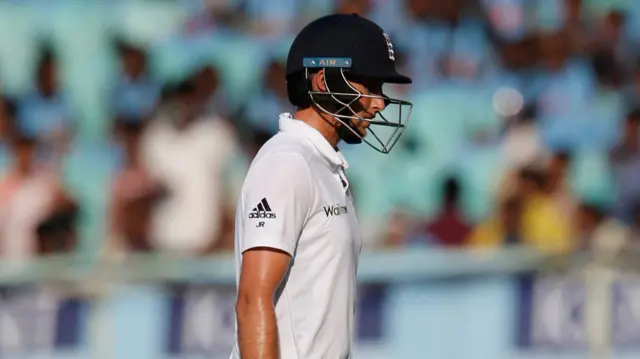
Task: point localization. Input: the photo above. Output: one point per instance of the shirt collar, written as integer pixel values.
(290, 125)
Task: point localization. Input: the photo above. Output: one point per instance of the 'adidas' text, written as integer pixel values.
(262, 210)
(262, 215)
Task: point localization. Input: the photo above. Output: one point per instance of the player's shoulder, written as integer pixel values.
(282, 155)
(283, 146)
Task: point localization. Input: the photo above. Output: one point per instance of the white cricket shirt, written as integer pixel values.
(296, 198)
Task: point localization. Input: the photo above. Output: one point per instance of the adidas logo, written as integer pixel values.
(262, 210)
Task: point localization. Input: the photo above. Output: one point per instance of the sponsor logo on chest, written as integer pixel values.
(337, 210)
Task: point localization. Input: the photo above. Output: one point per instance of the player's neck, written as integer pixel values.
(321, 122)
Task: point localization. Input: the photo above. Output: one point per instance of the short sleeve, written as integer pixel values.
(276, 201)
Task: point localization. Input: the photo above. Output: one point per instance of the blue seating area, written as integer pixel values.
(573, 110)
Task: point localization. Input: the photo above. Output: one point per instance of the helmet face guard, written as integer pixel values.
(341, 101)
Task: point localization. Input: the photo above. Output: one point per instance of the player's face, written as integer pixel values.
(368, 107)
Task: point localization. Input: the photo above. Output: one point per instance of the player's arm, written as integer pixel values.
(277, 199)
(263, 269)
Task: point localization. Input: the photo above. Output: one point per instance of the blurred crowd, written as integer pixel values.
(129, 129)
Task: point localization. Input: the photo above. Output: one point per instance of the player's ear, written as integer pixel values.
(318, 81)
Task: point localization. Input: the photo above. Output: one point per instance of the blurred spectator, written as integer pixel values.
(559, 94)
(361, 7)
(8, 113)
(204, 17)
(505, 227)
(420, 10)
(449, 11)
(57, 234)
(635, 225)
(610, 37)
(271, 19)
(459, 66)
(540, 222)
(518, 56)
(398, 228)
(633, 89)
(577, 27)
(258, 139)
(210, 92)
(512, 79)
(606, 70)
(450, 228)
(263, 111)
(625, 162)
(199, 16)
(545, 224)
(465, 44)
(135, 95)
(188, 152)
(612, 28)
(558, 185)
(36, 214)
(45, 113)
(599, 232)
(522, 143)
(134, 195)
(506, 18)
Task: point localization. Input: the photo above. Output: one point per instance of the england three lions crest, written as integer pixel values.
(392, 54)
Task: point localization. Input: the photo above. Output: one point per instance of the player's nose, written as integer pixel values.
(378, 104)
